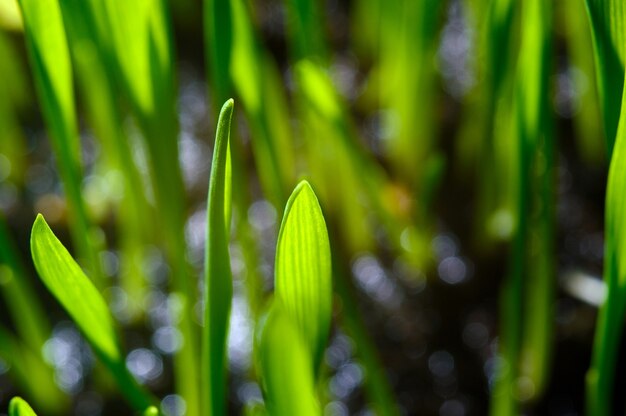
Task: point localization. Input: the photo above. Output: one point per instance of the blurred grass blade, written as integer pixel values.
(138, 34)
(82, 301)
(587, 117)
(601, 375)
(303, 269)
(31, 373)
(527, 297)
(218, 279)
(306, 30)
(288, 378)
(99, 91)
(52, 71)
(19, 407)
(608, 23)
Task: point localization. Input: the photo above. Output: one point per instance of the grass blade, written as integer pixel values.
(303, 268)
(286, 367)
(50, 61)
(82, 301)
(609, 36)
(19, 407)
(217, 279)
(600, 376)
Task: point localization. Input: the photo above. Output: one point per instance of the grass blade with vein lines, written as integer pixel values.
(50, 61)
(82, 301)
(303, 269)
(218, 281)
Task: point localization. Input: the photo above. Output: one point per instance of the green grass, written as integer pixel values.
(384, 155)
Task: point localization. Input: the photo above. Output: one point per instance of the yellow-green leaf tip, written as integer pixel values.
(19, 407)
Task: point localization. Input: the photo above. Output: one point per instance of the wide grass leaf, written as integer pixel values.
(19, 407)
(303, 268)
(218, 279)
(286, 367)
(79, 297)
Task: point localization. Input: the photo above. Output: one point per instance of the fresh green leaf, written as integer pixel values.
(82, 301)
(218, 279)
(303, 269)
(287, 373)
(19, 407)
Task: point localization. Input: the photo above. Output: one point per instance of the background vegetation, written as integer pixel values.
(402, 211)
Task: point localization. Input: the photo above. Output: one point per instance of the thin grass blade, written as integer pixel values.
(217, 279)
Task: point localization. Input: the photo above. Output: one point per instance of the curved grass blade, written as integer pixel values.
(19, 407)
(287, 372)
(79, 297)
(601, 375)
(303, 269)
(52, 71)
(217, 279)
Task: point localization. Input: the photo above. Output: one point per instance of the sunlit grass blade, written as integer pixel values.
(303, 269)
(217, 279)
(50, 60)
(19, 407)
(601, 375)
(288, 378)
(79, 297)
(609, 35)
